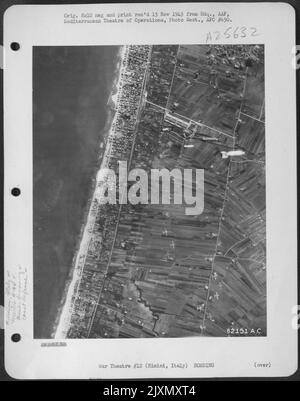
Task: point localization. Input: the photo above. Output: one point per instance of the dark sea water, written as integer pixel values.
(71, 86)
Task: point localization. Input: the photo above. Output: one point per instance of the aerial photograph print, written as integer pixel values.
(141, 266)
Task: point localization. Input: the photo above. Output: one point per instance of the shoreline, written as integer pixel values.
(65, 309)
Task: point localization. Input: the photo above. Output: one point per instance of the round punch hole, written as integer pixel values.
(16, 191)
(16, 338)
(15, 46)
